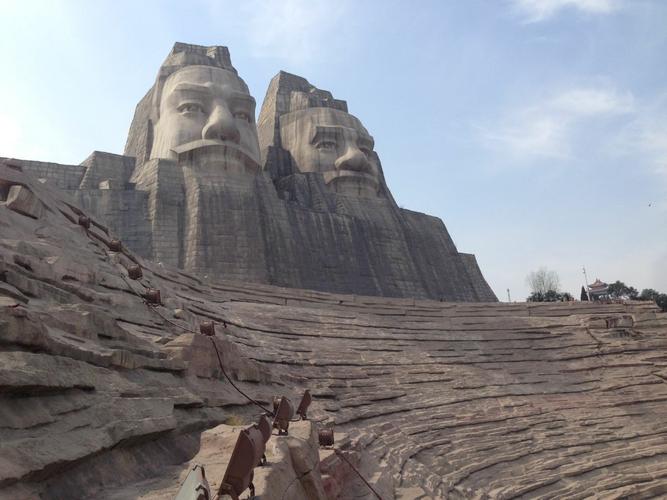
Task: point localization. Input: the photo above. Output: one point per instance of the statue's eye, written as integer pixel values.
(190, 107)
(326, 146)
(367, 152)
(241, 115)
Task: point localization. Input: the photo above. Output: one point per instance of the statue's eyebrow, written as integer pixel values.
(337, 130)
(241, 97)
(327, 131)
(212, 88)
(193, 87)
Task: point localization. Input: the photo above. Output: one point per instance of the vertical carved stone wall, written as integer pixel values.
(219, 206)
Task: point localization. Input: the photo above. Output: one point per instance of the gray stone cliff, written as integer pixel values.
(201, 187)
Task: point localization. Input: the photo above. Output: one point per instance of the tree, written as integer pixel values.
(620, 290)
(662, 302)
(584, 295)
(543, 281)
(659, 298)
(550, 296)
(649, 294)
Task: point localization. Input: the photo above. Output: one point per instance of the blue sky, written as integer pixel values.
(536, 129)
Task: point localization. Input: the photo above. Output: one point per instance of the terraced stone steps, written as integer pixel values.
(443, 400)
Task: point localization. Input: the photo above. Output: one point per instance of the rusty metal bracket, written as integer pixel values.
(265, 427)
(304, 404)
(84, 221)
(115, 245)
(284, 413)
(152, 296)
(207, 328)
(135, 272)
(326, 436)
(247, 453)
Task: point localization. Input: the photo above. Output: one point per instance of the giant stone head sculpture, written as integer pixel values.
(334, 143)
(198, 108)
(319, 136)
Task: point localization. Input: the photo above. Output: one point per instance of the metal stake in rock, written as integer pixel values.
(115, 245)
(207, 328)
(326, 436)
(84, 221)
(134, 272)
(152, 297)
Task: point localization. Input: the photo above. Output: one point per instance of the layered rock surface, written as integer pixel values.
(103, 395)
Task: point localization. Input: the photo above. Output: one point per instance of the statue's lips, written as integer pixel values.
(334, 175)
(212, 151)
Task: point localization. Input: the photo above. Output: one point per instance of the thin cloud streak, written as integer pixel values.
(534, 11)
(645, 137)
(548, 128)
(526, 135)
(294, 31)
(591, 102)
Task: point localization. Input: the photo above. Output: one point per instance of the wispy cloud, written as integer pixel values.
(655, 141)
(547, 128)
(645, 135)
(592, 102)
(295, 31)
(533, 11)
(527, 135)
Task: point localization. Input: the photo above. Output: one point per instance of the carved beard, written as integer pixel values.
(214, 174)
(217, 159)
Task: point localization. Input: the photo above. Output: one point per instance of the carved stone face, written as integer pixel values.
(335, 144)
(204, 108)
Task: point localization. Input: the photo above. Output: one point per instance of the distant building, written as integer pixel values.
(598, 290)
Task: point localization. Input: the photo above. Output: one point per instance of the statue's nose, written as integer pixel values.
(353, 159)
(221, 125)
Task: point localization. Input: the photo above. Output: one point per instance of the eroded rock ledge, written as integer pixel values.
(100, 396)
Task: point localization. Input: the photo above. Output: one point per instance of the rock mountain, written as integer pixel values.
(297, 200)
